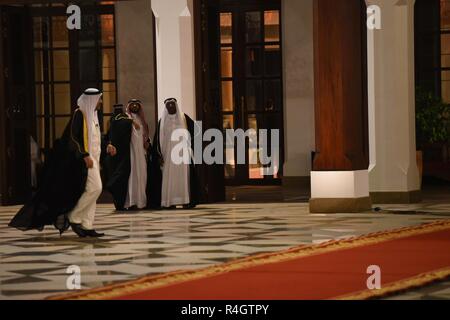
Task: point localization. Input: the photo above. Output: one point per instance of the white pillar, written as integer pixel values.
(393, 172)
(175, 63)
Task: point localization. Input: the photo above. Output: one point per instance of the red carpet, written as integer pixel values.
(407, 257)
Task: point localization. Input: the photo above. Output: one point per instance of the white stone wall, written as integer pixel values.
(175, 53)
(298, 72)
(393, 166)
(135, 55)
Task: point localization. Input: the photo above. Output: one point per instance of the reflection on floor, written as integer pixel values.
(266, 194)
(33, 264)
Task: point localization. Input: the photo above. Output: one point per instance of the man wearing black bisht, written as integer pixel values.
(173, 184)
(118, 163)
(71, 183)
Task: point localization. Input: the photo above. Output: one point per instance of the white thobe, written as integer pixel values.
(137, 183)
(175, 177)
(84, 211)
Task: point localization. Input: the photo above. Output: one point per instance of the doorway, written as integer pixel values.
(45, 67)
(66, 62)
(15, 101)
(250, 89)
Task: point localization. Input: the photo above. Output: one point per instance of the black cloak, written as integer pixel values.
(63, 181)
(119, 166)
(154, 181)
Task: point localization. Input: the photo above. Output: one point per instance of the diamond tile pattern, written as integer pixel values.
(33, 264)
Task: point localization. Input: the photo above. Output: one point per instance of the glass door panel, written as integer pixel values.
(67, 62)
(251, 86)
(227, 87)
(262, 89)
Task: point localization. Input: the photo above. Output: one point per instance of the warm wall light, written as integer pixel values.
(225, 19)
(107, 25)
(271, 18)
(226, 22)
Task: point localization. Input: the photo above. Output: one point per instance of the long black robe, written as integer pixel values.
(119, 166)
(154, 181)
(63, 181)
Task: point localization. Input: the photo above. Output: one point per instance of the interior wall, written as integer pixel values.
(2, 124)
(298, 68)
(135, 55)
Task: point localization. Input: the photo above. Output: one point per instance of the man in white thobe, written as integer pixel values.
(82, 217)
(175, 188)
(137, 183)
(173, 171)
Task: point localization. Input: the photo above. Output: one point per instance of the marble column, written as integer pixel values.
(340, 180)
(175, 63)
(393, 172)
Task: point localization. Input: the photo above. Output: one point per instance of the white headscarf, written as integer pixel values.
(87, 103)
(180, 119)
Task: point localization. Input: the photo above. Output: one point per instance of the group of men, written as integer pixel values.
(139, 174)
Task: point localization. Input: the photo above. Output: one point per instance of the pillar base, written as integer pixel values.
(340, 192)
(396, 197)
(340, 205)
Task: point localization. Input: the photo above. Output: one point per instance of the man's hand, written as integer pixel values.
(111, 150)
(136, 125)
(89, 162)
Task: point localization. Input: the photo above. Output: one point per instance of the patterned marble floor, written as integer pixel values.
(438, 291)
(33, 265)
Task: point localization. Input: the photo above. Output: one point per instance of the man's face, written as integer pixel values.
(99, 104)
(171, 107)
(135, 107)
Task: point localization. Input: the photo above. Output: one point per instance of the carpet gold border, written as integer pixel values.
(420, 280)
(171, 278)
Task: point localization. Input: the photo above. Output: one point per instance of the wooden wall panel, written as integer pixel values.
(340, 81)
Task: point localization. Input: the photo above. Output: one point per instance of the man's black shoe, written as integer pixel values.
(78, 230)
(93, 234)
